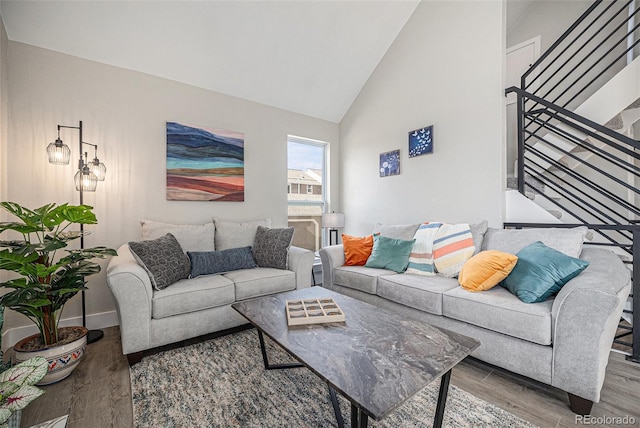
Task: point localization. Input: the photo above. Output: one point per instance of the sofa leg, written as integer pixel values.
(135, 357)
(579, 405)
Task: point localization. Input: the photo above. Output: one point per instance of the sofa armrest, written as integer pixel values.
(331, 257)
(301, 262)
(585, 316)
(132, 290)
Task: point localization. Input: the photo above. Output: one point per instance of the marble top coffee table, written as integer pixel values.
(376, 359)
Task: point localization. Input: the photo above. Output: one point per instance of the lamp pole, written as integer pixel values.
(93, 335)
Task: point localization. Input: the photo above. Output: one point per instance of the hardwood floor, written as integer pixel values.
(98, 393)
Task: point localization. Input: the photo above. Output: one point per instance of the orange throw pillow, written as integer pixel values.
(356, 250)
(486, 269)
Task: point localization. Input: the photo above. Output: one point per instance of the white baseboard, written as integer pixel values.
(94, 321)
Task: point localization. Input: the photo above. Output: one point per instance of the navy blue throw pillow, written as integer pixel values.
(209, 262)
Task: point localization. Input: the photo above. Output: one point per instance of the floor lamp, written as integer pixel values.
(333, 221)
(86, 180)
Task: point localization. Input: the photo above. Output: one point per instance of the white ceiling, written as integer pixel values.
(309, 57)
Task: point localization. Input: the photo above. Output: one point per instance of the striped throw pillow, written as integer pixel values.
(452, 246)
(421, 258)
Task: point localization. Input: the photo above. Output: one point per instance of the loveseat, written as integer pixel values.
(563, 341)
(195, 306)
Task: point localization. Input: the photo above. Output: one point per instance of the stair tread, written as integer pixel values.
(555, 213)
(635, 104)
(615, 122)
(578, 149)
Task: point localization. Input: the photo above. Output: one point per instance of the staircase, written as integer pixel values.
(578, 157)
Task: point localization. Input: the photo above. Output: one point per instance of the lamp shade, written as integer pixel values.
(85, 180)
(59, 153)
(333, 220)
(98, 168)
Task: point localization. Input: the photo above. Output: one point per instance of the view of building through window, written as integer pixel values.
(306, 191)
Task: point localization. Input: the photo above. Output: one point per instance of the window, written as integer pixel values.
(306, 181)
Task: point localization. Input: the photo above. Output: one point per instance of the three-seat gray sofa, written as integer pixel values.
(564, 341)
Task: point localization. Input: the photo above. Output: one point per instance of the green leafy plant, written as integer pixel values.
(16, 386)
(46, 282)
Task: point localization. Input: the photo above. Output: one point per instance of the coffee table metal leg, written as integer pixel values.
(442, 399)
(359, 419)
(265, 359)
(336, 407)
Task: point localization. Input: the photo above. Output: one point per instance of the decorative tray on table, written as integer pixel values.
(313, 311)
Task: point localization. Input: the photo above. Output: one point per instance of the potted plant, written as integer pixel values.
(47, 280)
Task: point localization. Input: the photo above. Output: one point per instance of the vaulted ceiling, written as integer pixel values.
(309, 57)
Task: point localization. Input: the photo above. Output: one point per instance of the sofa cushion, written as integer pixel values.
(567, 241)
(163, 259)
(359, 277)
(502, 312)
(271, 247)
(233, 234)
(416, 291)
(210, 262)
(261, 281)
(192, 237)
(486, 269)
(356, 250)
(390, 253)
(401, 231)
(191, 295)
(541, 272)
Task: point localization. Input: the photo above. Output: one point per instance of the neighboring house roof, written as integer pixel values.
(304, 177)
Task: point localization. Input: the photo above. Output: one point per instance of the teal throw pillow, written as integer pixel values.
(390, 253)
(541, 272)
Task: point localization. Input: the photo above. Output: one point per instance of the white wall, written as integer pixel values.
(124, 112)
(545, 19)
(4, 101)
(435, 73)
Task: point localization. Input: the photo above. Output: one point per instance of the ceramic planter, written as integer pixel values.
(62, 359)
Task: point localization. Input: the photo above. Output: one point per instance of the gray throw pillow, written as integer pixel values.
(478, 230)
(568, 241)
(163, 259)
(191, 237)
(271, 247)
(398, 231)
(209, 262)
(234, 234)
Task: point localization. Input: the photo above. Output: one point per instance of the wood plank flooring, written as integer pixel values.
(98, 393)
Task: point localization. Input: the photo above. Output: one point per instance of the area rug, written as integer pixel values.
(222, 383)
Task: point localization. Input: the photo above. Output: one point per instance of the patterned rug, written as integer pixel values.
(222, 383)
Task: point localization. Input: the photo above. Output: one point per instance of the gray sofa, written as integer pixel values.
(150, 318)
(564, 341)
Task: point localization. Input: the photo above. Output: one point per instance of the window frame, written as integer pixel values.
(323, 203)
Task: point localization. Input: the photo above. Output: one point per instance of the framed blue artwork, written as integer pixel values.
(421, 141)
(390, 163)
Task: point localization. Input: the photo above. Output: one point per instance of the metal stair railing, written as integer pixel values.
(587, 55)
(599, 187)
(599, 191)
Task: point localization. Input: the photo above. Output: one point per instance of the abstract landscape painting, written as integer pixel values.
(204, 164)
